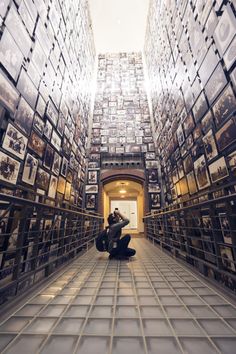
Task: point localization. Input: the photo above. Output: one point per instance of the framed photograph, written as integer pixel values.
(48, 130)
(150, 156)
(180, 135)
(183, 186)
(90, 189)
(42, 179)
(52, 187)
(227, 258)
(155, 200)
(225, 228)
(38, 124)
(92, 177)
(90, 201)
(200, 107)
(24, 116)
(188, 164)
(52, 113)
(15, 142)
(224, 106)
(215, 84)
(9, 168)
(225, 30)
(30, 169)
(210, 145)
(67, 191)
(192, 185)
(232, 162)
(218, 170)
(56, 140)
(152, 175)
(93, 164)
(61, 124)
(154, 188)
(56, 163)
(151, 164)
(188, 124)
(36, 144)
(230, 54)
(61, 185)
(9, 96)
(207, 122)
(201, 173)
(48, 157)
(27, 88)
(226, 135)
(64, 167)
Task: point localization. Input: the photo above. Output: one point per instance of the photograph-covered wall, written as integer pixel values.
(190, 52)
(121, 121)
(47, 57)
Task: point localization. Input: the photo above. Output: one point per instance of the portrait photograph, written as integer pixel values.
(9, 168)
(52, 113)
(226, 135)
(91, 189)
(210, 145)
(188, 164)
(61, 186)
(224, 106)
(90, 201)
(48, 130)
(227, 258)
(192, 185)
(155, 200)
(152, 175)
(200, 107)
(64, 167)
(201, 173)
(225, 228)
(207, 122)
(61, 124)
(48, 157)
(42, 179)
(218, 170)
(92, 177)
(24, 116)
(15, 142)
(67, 191)
(56, 140)
(150, 156)
(215, 84)
(52, 187)
(30, 169)
(180, 135)
(36, 144)
(56, 163)
(232, 162)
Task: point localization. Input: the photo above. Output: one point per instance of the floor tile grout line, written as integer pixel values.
(114, 306)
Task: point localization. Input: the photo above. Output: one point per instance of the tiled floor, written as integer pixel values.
(151, 304)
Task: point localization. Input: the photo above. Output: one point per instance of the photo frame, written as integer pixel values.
(192, 185)
(38, 124)
(91, 189)
(155, 200)
(224, 106)
(201, 173)
(232, 162)
(9, 96)
(61, 186)
(64, 167)
(24, 116)
(42, 179)
(92, 177)
(226, 135)
(225, 228)
(48, 157)
(52, 187)
(218, 170)
(56, 140)
(15, 142)
(30, 169)
(9, 168)
(56, 163)
(91, 201)
(36, 144)
(210, 145)
(227, 258)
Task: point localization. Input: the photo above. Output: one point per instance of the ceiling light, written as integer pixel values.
(122, 191)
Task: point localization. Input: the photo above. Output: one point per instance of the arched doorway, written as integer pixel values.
(128, 195)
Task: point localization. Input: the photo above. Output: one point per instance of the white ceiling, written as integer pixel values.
(119, 25)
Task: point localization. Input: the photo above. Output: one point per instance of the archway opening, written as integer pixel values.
(128, 196)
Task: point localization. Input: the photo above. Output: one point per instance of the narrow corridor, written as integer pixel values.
(151, 304)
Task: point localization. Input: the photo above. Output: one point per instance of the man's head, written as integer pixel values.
(112, 219)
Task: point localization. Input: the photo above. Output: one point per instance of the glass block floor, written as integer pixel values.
(148, 305)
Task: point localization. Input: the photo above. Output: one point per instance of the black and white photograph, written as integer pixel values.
(225, 228)
(183, 185)
(90, 201)
(226, 135)
(36, 144)
(52, 187)
(64, 167)
(151, 164)
(207, 122)
(200, 107)
(9, 168)
(210, 145)
(15, 142)
(227, 258)
(215, 84)
(92, 177)
(48, 157)
(153, 188)
(188, 164)
(61, 186)
(152, 175)
(24, 116)
(56, 163)
(90, 189)
(42, 179)
(180, 135)
(224, 106)
(232, 162)
(188, 124)
(230, 54)
(52, 113)
(48, 130)
(38, 124)
(218, 170)
(192, 185)
(30, 169)
(67, 191)
(201, 173)
(56, 140)
(155, 200)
